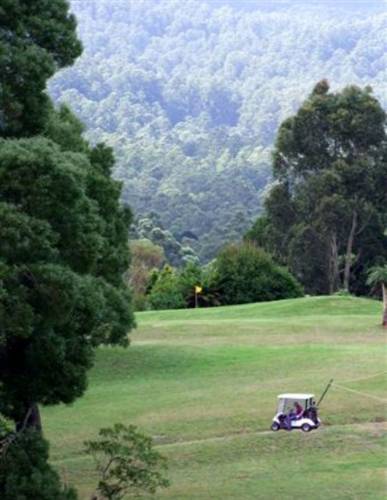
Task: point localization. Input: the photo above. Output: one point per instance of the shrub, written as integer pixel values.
(24, 469)
(245, 273)
(166, 292)
(126, 462)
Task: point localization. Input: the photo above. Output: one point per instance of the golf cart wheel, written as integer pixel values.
(306, 427)
(275, 426)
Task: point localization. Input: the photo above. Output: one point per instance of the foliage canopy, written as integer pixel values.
(245, 274)
(190, 95)
(63, 252)
(25, 473)
(32, 47)
(326, 216)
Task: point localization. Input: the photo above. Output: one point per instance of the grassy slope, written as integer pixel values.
(204, 383)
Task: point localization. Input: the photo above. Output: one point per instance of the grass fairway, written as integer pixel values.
(204, 384)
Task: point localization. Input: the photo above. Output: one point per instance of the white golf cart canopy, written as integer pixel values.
(286, 401)
(295, 396)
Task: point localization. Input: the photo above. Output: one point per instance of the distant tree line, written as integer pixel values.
(240, 274)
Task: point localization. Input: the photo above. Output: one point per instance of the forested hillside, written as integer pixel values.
(190, 95)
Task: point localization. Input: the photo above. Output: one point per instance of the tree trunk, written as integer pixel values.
(348, 253)
(31, 419)
(384, 291)
(333, 265)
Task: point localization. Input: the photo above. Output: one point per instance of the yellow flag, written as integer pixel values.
(198, 289)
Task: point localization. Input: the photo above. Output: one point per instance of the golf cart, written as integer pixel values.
(298, 411)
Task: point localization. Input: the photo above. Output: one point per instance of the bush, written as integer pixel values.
(127, 463)
(25, 472)
(166, 292)
(175, 289)
(245, 273)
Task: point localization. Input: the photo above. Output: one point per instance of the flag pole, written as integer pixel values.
(198, 289)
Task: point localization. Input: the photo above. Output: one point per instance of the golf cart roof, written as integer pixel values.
(291, 395)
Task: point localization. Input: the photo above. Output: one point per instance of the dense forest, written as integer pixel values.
(191, 99)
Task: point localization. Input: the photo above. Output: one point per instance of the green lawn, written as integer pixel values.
(204, 384)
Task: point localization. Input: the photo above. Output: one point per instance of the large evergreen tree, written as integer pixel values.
(36, 39)
(63, 249)
(63, 243)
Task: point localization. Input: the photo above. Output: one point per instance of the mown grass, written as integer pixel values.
(204, 384)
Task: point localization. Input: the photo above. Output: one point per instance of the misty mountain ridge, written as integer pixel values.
(190, 95)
